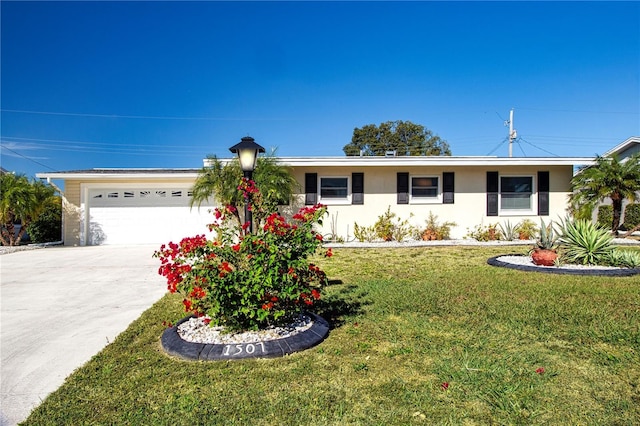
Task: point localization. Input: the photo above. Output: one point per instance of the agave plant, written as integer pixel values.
(583, 242)
(624, 258)
(547, 239)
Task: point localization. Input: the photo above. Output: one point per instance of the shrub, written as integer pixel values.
(362, 233)
(526, 229)
(246, 281)
(389, 227)
(584, 242)
(631, 216)
(605, 216)
(48, 227)
(435, 230)
(484, 233)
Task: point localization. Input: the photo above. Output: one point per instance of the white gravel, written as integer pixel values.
(526, 261)
(196, 330)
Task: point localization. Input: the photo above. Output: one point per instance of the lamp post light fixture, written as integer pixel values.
(247, 150)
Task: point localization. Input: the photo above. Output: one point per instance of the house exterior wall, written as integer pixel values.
(380, 192)
(467, 211)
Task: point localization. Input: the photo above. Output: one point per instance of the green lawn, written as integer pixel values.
(405, 321)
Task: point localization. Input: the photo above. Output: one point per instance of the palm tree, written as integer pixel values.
(21, 201)
(608, 178)
(219, 182)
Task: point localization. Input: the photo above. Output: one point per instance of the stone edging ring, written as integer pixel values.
(175, 345)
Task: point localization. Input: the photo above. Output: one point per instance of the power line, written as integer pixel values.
(30, 159)
(142, 117)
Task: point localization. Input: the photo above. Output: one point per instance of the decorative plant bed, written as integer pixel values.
(175, 345)
(504, 262)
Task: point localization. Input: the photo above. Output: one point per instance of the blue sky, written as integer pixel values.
(163, 84)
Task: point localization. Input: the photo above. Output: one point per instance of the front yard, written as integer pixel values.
(420, 336)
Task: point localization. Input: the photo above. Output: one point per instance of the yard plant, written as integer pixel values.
(244, 280)
(452, 341)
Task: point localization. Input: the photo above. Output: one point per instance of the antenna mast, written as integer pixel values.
(513, 134)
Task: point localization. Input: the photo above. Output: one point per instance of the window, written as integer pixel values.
(334, 189)
(515, 192)
(424, 188)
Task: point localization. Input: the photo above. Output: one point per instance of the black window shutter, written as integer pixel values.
(543, 193)
(357, 188)
(311, 188)
(448, 187)
(492, 193)
(403, 188)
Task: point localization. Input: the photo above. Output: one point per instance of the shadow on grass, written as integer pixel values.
(344, 303)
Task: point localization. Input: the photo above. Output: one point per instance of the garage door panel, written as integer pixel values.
(143, 215)
(138, 225)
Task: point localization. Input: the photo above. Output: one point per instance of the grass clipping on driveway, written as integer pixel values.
(419, 335)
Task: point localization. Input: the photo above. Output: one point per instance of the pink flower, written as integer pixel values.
(540, 370)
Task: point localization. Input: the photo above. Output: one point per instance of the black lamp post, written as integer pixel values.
(247, 150)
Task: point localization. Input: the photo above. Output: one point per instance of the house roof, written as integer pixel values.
(402, 161)
(624, 146)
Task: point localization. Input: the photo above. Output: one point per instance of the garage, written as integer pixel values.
(142, 215)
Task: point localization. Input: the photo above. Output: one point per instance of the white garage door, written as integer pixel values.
(143, 215)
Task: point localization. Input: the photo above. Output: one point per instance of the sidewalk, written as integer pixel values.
(59, 307)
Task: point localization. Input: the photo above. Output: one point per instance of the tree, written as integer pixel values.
(608, 178)
(403, 137)
(21, 201)
(220, 181)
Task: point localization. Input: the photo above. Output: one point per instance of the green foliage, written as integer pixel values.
(219, 182)
(247, 281)
(508, 231)
(364, 233)
(583, 242)
(605, 215)
(403, 137)
(547, 239)
(526, 229)
(389, 227)
(632, 216)
(21, 200)
(624, 258)
(48, 226)
(435, 230)
(607, 178)
(484, 233)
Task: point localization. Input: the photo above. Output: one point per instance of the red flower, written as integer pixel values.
(206, 321)
(316, 294)
(444, 385)
(318, 237)
(224, 269)
(187, 305)
(236, 247)
(329, 253)
(540, 370)
(267, 306)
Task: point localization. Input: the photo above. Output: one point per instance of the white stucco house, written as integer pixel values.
(135, 206)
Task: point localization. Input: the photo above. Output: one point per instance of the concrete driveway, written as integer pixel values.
(59, 307)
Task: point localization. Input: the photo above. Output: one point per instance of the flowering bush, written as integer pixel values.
(247, 281)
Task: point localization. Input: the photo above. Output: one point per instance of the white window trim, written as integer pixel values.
(518, 212)
(425, 200)
(334, 201)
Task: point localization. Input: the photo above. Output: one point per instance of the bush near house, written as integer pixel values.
(605, 215)
(48, 227)
(632, 216)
